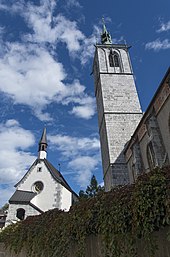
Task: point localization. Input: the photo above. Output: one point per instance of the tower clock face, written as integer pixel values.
(38, 187)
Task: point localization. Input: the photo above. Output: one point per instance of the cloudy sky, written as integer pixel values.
(46, 55)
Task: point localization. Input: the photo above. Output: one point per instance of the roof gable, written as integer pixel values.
(57, 176)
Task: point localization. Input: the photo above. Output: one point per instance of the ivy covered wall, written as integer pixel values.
(93, 247)
(119, 223)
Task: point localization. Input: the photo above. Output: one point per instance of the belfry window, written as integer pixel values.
(111, 60)
(114, 59)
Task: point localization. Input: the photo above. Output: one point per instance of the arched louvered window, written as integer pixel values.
(114, 59)
(111, 62)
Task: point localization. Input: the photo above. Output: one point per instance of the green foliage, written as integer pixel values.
(121, 217)
(92, 190)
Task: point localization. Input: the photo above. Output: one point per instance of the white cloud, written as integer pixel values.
(73, 3)
(73, 146)
(31, 76)
(54, 29)
(4, 7)
(69, 33)
(164, 27)
(82, 155)
(88, 43)
(49, 28)
(83, 111)
(84, 166)
(29, 72)
(1, 31)
(14, 157)
(158, 45)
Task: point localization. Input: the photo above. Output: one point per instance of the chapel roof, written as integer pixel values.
(21, 196)
(24, 197)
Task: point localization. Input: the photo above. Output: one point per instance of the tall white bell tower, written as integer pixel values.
(118, 106)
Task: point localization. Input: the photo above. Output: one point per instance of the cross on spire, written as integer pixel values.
(105, 36)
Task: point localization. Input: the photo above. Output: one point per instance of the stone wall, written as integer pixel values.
(93, 247)
(152, 134)
(118, 110)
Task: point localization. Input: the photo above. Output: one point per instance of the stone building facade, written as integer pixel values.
(149, 146)
(118, 107)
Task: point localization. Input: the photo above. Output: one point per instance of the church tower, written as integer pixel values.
(118, 106)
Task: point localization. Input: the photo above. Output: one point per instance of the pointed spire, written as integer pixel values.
(42, 151)
(43, 139)
(105, 36)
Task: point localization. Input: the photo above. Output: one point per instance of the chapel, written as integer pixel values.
(41, 189)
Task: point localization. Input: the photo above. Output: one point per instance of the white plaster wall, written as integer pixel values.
(66, 199)
(12, 211)
(42, 155)
(51, 195)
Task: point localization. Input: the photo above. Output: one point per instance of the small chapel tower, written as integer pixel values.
(42, 151)
(118, 106)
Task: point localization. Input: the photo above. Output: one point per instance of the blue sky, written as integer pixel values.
(46, 56)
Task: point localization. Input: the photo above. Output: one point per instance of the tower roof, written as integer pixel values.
(43, 139)
(105, 36)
